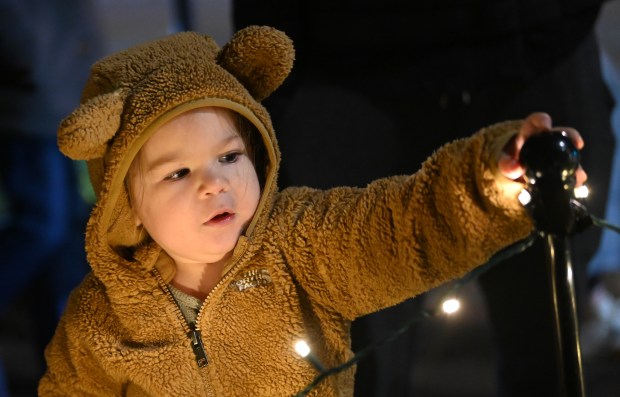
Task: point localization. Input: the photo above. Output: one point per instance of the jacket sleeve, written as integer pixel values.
(359, 250)
(73, 368)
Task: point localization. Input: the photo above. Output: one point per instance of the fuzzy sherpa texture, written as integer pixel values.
(310, 262)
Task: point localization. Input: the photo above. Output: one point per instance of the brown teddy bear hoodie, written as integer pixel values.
(308, 264)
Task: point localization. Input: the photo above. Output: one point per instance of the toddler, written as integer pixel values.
(205, 275)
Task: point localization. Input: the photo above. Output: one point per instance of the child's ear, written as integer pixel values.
(134, 213)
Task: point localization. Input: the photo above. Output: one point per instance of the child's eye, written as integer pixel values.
(176, 175)
(230, 157)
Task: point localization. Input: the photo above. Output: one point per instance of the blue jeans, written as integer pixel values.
(42, 235)
(607, 258)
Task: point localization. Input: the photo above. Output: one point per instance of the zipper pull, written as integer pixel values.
(198, 348)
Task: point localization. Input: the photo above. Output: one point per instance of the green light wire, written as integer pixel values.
(502, 255)
(499, 257)
(604, 224)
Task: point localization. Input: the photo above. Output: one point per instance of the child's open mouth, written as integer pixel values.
(220, 218)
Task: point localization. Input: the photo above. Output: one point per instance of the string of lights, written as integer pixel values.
(604, 224)
(449, 304)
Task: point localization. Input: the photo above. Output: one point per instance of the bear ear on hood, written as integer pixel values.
(260, 57)
(85, 133)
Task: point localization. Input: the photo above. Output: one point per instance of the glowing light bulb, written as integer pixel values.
(451, 305)
(582, 191)
(525, 197)
(302, 348)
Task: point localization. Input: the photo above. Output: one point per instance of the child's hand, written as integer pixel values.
(535, 123)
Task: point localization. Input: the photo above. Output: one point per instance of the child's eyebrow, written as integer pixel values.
(172, 157)
(160, 162)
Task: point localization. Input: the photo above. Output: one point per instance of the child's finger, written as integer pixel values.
(510, 167)
(533, 124)
(536, 122)
(574, 136)
(581, 176)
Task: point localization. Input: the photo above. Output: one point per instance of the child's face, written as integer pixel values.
(193, 186)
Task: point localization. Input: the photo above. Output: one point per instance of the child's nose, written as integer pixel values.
(212, 182)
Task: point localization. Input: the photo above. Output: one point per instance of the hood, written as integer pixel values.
(130, 93)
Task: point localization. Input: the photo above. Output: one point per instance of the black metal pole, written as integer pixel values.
(551, 161)
(565, 310)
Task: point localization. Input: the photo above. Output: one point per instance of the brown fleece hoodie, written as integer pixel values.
(309, 263)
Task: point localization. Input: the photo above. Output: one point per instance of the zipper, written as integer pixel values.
(224, 279)
(235, 260)
(198, 348)
(190, 329)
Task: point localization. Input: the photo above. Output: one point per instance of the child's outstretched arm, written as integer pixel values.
(359, 250)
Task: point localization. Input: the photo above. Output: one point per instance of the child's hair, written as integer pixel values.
(252, 141)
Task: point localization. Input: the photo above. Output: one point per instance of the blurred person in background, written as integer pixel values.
(47, 48)
(601, 334)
